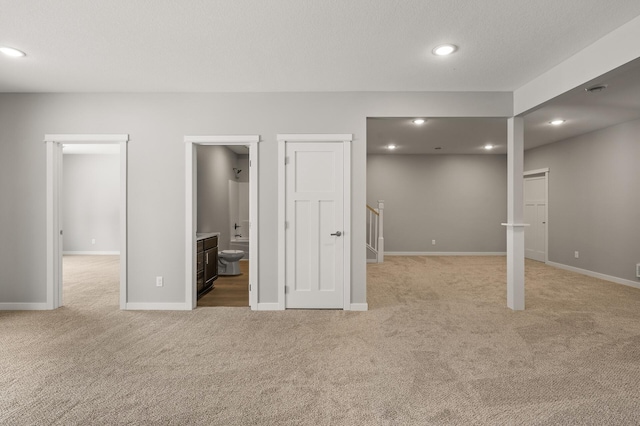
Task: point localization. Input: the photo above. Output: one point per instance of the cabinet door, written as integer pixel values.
(210, 266)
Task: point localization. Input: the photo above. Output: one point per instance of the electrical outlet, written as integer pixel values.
(433, 242)
(638, 270)
(576, 254)
(93, 241)
(159, 282)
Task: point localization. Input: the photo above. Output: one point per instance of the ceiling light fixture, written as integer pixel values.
(392, 146)
(10, 51)
(556, 122)
(419, 121)
(444, 49)
(489, 147)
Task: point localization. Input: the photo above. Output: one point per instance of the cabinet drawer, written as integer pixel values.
(200, 262)
(211, 243)
(200, 246)
(200, 281)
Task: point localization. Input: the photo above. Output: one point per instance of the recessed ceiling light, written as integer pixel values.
(556, 122)
(489, 147)
(392, 146)
(10, 51)
(444, 49)
(419, 121)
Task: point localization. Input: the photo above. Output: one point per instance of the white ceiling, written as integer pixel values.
(294, 45)
(329, 45)
(583, 112)
(451, 135)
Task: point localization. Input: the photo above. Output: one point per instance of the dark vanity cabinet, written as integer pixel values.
(207, 264)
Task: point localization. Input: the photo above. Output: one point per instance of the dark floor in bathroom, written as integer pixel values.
(229, 291)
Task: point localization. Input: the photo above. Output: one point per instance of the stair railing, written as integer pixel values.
(375, 235)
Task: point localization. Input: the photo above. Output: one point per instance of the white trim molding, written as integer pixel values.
(269, 307)
(222, 139)
(191, 211)
(359, 306)
(598, 275)
(315, 137)
(445, 253)
(90, 253)
(24, 306)
(536, 172)
(346, 139)
(53, 143)
(157, 307)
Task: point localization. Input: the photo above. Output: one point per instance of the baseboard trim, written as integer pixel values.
(24, 307)
(269, 307)
(595, 275)
(110, 253)
(372, 261)
(359, 306)
(445, 253)
(157, 307)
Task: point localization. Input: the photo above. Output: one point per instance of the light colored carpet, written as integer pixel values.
(438, 346)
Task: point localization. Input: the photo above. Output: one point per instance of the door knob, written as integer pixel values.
(337, 234)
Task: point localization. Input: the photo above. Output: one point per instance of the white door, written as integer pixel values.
(535, 214)
(314, 232)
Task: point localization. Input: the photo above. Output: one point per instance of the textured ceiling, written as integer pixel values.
(294, 45)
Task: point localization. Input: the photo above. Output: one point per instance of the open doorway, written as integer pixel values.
(90, 244)
(222, 225)
(94, 214)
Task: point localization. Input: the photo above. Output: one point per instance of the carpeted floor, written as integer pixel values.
(438, 346)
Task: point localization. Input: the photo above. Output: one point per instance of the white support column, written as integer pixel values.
(380, 231)
(515, 213)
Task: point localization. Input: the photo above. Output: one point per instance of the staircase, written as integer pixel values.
(375, 239)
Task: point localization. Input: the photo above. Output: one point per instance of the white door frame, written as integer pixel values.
(545, 172)
(54, 144)
(282, 141)
(191, 211)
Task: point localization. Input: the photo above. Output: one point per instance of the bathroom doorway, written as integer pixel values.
(222, 214)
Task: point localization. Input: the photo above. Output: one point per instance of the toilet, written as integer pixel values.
(228, 262)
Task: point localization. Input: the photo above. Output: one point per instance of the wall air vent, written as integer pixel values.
(596, 89)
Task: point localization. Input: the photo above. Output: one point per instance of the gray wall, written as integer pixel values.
(91, 202)
(215, 170)
(457, 200)
(594, 199)
(157, 124)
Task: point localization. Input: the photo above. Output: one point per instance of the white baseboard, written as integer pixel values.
(269, 307)
(157, 307)
(445, 253)
(596, 275)
(359, 306)
(23, 307)
(372, 261)
(110, 253)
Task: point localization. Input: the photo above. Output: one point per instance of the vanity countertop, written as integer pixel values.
(203, 235)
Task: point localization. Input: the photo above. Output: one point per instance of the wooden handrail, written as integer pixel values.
(373, 210)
